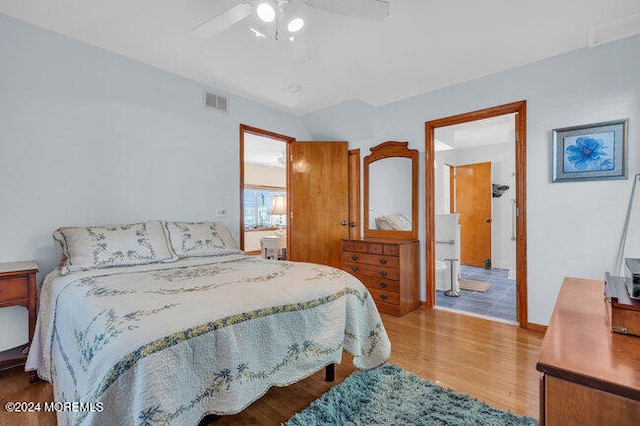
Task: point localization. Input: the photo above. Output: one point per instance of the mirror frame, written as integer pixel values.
(388, 150)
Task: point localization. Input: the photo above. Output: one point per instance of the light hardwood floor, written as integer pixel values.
(491, 361)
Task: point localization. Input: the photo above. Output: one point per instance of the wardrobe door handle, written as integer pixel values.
(383, 261)
(384, 285)
(383, 273)
(354, 257)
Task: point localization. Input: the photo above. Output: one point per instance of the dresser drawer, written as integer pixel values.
(347, 246)
(14, 288)
(373, 248)
(388, 268)
(371, 270)
(380, 283)
(388, 308)
(385, 296)
(371, 259)
(391, 250)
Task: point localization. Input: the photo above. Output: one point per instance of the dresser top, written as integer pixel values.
(579, 346)
(18, 267)
(380, 240)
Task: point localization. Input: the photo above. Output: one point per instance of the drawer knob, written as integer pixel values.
(383, 261)
(383, 296)
(354, 268)
(383, 273)
(354, 257)
(384, 285)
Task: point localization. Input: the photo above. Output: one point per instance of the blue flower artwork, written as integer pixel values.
(592, 152)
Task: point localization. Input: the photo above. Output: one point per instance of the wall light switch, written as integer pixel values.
(221, 212)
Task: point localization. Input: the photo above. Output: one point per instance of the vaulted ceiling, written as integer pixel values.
(422, 46)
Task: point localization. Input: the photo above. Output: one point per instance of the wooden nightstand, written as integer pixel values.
(18, 288)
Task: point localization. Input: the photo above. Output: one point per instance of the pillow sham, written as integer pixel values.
(95, 247)
(396, 222)
(195, 239)
(383, 223)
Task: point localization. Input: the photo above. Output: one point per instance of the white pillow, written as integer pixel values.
(396, 222)
(94, 247)
(194, 239)
(383, 223)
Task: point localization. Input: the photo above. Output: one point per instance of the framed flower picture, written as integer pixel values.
(590, 152)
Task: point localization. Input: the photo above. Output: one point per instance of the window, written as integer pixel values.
(257, 205)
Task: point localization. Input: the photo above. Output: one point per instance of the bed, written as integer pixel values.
(149, 336)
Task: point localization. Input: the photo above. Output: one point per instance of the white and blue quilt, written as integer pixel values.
(166, 344)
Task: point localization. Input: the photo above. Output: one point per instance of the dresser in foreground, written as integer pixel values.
(389, 269)
(590, 375)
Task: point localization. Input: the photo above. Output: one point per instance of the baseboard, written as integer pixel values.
(529, 326)
(253, 252)
(536, 327)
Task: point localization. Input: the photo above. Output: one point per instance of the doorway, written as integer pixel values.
(448, 204)
(264, 192)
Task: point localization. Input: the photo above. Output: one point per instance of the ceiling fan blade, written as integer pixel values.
(222, 22)
(368, 10)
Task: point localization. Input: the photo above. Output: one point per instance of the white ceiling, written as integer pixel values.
(264, 151)
(422, 46)
(490, 131)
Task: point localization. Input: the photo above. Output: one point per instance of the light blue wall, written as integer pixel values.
(573, 228)
(88, 136)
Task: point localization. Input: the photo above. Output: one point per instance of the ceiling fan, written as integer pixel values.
(283, 19)
(280, 162)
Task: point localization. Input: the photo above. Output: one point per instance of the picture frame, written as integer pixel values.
(590, 152)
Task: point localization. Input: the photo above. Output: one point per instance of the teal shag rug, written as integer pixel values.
(389, 395)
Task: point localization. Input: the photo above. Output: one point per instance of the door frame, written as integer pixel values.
(520, 109)
(353, 156)
(266, 133)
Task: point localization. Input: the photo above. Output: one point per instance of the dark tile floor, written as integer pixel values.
(497, 302)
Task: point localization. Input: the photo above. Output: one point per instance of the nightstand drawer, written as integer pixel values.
(14, 288)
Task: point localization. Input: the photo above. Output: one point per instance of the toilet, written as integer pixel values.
(442, 283)
(447, 247)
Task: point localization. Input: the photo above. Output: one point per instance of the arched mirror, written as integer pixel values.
(391, 192)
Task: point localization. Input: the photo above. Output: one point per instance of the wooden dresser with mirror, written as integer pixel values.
(387, 259)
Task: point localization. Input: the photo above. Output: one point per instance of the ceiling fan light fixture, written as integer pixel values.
(295, 25)
(266, 12)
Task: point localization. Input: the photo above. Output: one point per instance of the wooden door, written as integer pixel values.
(473, 202)
(319, 185)
(354, 194)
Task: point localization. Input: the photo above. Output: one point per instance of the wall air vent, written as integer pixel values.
(217, 102)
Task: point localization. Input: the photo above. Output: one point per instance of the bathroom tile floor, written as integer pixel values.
(497, 302)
